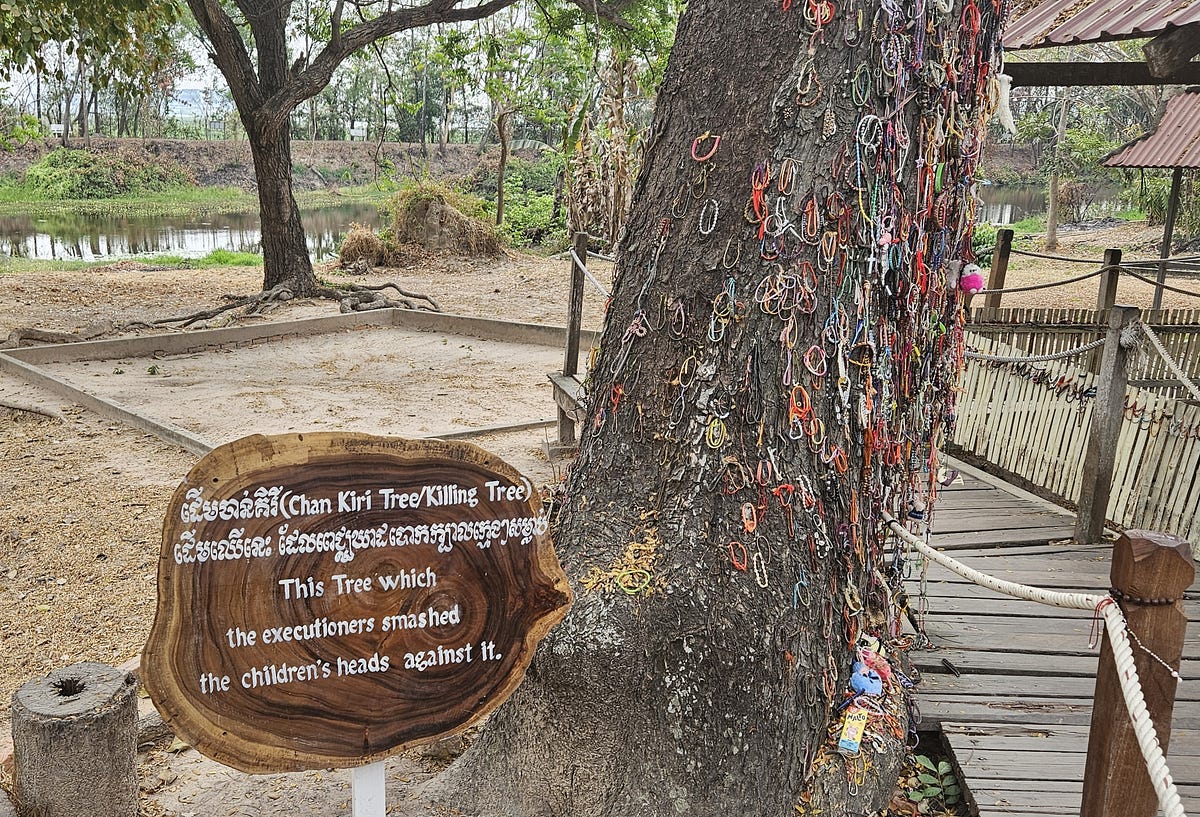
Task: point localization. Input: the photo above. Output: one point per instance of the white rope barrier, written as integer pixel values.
(1118, 636)
(587, 274)
(1078, 350)
(1175, 368)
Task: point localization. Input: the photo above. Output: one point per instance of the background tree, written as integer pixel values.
(127, 41)
(269, 85)
(777, 361)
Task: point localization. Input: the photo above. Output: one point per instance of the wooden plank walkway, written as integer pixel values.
(1010, 682)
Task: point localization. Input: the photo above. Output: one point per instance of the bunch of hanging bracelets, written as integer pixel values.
(860, 253)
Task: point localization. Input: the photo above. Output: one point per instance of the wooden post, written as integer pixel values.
(566, 422)
(1150, 571)
(75, 743)
(1106, 299)
(1107, 411)
(1168, 233)
(1004, 239)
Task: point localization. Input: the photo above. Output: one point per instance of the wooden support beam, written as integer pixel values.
(1168, 232)
(1057, 74)
(1107, 412)
(1150, 571)
(1004, 239)
(1169, 53)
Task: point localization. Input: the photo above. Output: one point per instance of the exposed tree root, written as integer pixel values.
(351, 297)
(363, 297)
(27, 335)
(249, 305)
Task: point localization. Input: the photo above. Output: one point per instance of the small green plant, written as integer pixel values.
(152, 369)
(932, 786)
(983, 243)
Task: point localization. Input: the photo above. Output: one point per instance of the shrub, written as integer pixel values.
(82, 174)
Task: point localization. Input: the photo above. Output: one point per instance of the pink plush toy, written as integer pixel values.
(971, 280)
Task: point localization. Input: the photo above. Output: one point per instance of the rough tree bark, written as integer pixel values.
(285, 249)
(779, 353)
(505, 138)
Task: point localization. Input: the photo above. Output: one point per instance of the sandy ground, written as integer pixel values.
(82, 499)
(379, 380)
(1136, 241)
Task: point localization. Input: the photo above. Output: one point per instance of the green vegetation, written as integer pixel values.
(1151, 196)
(216, 258)
(531, 214)
(82, 174)
(18, 199)
(1030, 224)
(932, 786)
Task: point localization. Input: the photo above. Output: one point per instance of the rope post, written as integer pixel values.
(1004, 239)
(566, 423)
(1107, 410)
(1149, 573)
(1106, 299)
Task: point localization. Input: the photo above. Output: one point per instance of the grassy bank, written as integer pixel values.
(181, 202)
(216, 258)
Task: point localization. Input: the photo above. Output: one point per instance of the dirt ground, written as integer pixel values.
(82, 498)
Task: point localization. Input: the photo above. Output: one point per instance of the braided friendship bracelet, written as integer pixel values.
(1119, 596)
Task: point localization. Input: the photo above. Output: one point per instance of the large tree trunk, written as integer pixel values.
(285, 250)
(722, 524)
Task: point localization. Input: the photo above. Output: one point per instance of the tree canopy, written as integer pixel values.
(126, 32)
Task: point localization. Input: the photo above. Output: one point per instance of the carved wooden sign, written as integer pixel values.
(328, 599)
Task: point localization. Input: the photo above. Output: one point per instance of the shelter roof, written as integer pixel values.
(1174, 143)
(1070, 22)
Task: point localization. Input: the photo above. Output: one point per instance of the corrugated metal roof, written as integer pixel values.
(1174, 143)
(1067, 22)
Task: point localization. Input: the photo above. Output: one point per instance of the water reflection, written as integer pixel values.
(1006, 204)
(76, 237)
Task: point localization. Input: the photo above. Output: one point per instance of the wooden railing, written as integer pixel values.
(1034, 422)
(1046, 330)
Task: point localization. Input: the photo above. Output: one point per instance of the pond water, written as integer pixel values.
(100, 238)
(1005, 204)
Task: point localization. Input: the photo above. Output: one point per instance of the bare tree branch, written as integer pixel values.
(313, 79)
(228, 52)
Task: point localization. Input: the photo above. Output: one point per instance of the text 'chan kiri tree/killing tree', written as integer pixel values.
(778, 362)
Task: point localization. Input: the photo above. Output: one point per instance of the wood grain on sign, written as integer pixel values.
(327, 599)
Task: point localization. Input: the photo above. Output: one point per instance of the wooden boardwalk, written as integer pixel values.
(1010, 682)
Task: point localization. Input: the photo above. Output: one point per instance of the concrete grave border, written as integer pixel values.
(25, 363)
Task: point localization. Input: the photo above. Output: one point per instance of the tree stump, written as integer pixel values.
(75, 743)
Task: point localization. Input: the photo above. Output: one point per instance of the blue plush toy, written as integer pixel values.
(865, 681)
